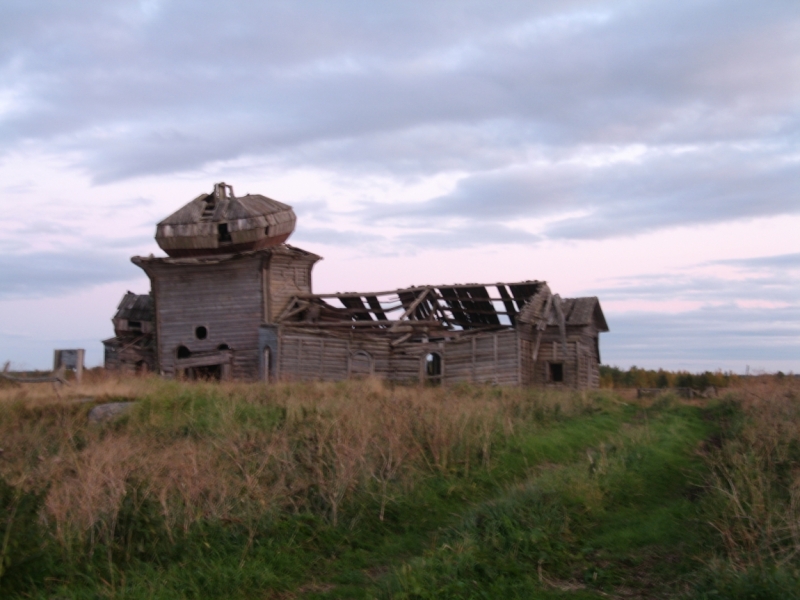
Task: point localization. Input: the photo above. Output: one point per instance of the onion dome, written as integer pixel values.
(220, 223)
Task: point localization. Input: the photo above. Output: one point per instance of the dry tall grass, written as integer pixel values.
(235, 452)
(755, 475)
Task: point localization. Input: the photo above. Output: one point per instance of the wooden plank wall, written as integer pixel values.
(124, 356)
(224, 297)
(305, 356)
(579, 358)
(527, 344)
(288, 276)
(491, 357)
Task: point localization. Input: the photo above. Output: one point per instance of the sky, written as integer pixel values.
(645, 152)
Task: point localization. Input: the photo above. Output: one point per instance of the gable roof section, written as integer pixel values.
(584, 311)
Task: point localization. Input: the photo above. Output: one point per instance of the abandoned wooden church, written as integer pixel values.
(233, 300)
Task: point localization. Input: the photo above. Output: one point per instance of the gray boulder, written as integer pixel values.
(108, 412)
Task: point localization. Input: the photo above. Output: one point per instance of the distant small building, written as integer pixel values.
(69, 359)
(233, 300)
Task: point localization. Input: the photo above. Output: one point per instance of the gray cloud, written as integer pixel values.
(705, 337)
(507, 94)
(464, 236)
(778, 262)
(335, 237)
(42, 274)
(763, 279)
(449, 237)
(625, 197)
(158, 86)
(734, 325)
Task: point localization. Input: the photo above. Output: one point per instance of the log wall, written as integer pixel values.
(224, 297)
(306, 354)
(129, 355)
(579, 359)
(230, 298)
(286, 276)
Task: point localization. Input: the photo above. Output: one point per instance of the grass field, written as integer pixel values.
(361, 490)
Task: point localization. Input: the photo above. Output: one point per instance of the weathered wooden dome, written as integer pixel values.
(220, 223)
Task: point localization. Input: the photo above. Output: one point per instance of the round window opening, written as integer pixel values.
(201, 333)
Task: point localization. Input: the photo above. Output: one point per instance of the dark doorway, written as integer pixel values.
(556, 372)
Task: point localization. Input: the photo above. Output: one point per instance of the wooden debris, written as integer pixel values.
(57, 378)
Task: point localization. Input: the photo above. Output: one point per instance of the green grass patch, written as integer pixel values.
(496, 493)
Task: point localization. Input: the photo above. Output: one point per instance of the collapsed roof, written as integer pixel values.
(435, 311)
(135, 307)
(582, 311)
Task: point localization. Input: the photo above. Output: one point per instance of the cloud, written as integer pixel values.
(452, 237)
(464, 236)
(779, 262)
(152, 92)
(529, 101)
(706, 337)
(43, 274)
(703, 288)
(335, 237)
(650, 191)
(766, 280)
(750, 317)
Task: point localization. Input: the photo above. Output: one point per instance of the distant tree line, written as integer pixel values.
(635, 377)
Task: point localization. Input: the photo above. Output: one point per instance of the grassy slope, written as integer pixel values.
(622, 521)
(603, 499)
(548, 520)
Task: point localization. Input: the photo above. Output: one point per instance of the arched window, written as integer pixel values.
(433, 368)
(183, 352)
(360, 364)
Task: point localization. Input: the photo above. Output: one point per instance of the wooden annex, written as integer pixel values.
(132, 348)
(250, 313)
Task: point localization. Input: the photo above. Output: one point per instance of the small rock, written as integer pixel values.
(108, 412)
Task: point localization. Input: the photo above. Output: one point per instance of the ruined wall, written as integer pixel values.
(225, 298)
(130, 356)
(580, 365)
(213, 308)
(307, 354)
(287, 275)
